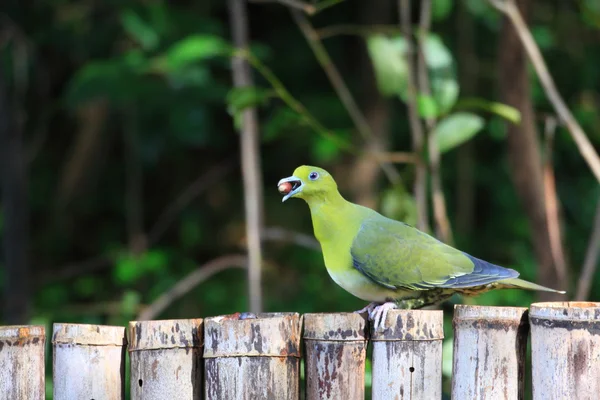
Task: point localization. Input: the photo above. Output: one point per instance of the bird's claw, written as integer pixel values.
(378, 313)
(368, 309)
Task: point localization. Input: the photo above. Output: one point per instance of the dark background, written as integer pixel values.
(121, 167)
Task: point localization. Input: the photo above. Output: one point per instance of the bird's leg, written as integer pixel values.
(368, 309)
(426, 298)
(379, 314)
(412, 304)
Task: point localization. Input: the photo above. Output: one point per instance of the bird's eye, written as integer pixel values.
(313, 176)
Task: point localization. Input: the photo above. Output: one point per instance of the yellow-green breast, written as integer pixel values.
(335, 226)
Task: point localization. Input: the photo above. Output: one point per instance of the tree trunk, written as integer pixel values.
(14, 212)
(524, 150)
(466, 164)
(250, 156)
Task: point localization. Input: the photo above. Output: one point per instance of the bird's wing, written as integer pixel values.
(396, 255)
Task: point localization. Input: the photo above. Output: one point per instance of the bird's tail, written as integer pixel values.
(520, 283)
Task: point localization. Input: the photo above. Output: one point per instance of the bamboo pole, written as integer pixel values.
(166, 359)
(252, 358)
(565, 350)
(88, 362)
(335, 346)
(22, 373)
(407, 356)
(489, 352)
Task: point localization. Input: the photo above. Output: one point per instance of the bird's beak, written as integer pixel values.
(297, 186)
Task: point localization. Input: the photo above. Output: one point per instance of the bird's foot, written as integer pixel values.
(368, 309)
(379, 313)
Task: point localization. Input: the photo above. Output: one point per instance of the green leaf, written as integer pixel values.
(196, 75)
(484, 12)
(86, 285)
(426, 106)
(135, 60)
(126, 270)
(445, 92)
(130, 268)
(389, 63)
(119, 80)
(137, 28)
(502, 110)
(130, 301)
(191, 50)
(54, 295)
(326, 150)
(240, 98)
(154, 260)
(590, 12)
(456, 129)
(440, 65)
(283, 120)
(397, 204)
(436, 53)
(441, 9)
(543, 36)
(98, 79)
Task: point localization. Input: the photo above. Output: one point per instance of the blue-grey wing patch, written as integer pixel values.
(483, 274)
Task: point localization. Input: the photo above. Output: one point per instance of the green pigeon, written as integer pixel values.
(387, 262)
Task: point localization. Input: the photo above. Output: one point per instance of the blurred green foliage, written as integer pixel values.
(110, 88)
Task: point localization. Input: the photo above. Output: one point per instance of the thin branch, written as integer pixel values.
(191, 281)
(277, 234)
(591, 259)
(398, 157)
(356, 30)
(250, 155)
(204, 181)
(443, 230)
(325, 4)
(551, 201)
(340, 87)
(416, 129)
(308, 8)
(509, 8)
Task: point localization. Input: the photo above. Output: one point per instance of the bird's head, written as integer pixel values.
(308, 183)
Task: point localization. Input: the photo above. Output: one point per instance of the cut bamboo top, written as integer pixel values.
(21, 331)
(91, 335)
(498, 318)
(567, 314)
(165, 334)
(342, 327)
(236, 335)
(415, 325)
(20, 335)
